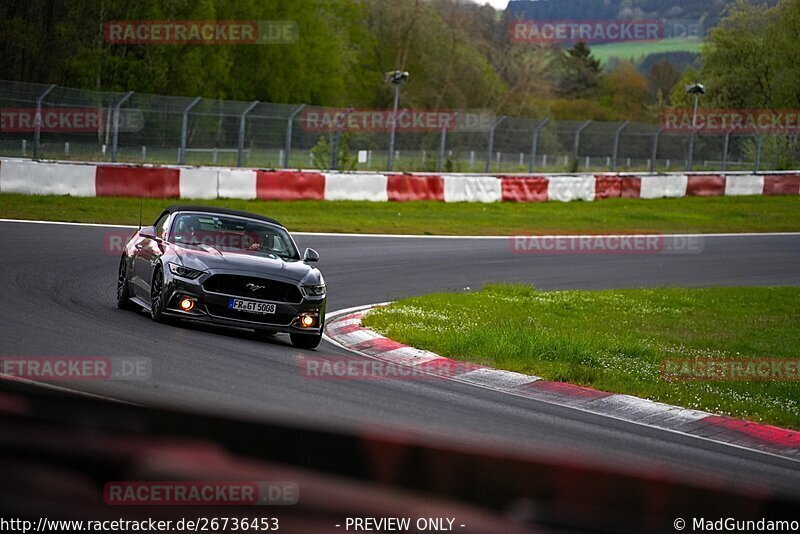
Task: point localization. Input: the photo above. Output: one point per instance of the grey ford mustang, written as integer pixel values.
(226, 267)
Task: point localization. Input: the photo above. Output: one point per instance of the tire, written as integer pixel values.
(123, 291)
(306, 341)
(157, 303)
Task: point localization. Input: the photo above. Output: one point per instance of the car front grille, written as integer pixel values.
(260, 288)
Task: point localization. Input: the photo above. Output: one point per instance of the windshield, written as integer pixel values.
(233, 234)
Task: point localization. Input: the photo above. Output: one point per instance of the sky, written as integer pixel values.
(497, 4)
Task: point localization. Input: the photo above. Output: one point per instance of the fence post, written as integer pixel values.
(535, 144)
(616, 145)
(443, 145)
(655, 151)
(288, 144)
(242, 124)
(335, 150)
(725, 151)
(578, 137)
(491, 143)
(758, 152)
(37, 122)
(185, 130)
(115, 137)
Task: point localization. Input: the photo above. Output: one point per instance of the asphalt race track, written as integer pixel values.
(58, 299)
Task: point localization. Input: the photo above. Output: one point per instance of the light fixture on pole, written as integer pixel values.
(695, 89)
(396, 78)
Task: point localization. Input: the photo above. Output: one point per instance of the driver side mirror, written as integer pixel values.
(310, 255)
(148, 232)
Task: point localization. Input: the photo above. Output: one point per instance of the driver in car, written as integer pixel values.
(257, 246)
(187, 228)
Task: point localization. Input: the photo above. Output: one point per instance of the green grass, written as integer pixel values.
(636, 50)
(616, 340)
(694, 214)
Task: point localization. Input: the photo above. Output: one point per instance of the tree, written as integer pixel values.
(322, 152)
(61, 41)
(578, 72)
(626, 91)
(663, 77)
(752, 60)
(442, 44)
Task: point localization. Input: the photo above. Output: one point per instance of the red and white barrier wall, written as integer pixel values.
(87, 179)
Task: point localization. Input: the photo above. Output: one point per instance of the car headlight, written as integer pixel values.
(314, 291)
(184, 272)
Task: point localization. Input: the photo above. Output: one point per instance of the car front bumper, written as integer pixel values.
(213, 307)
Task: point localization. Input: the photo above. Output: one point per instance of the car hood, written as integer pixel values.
(207, 258)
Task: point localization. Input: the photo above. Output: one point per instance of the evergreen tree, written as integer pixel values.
(578, 72)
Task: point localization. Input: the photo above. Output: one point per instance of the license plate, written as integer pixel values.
(251, 306)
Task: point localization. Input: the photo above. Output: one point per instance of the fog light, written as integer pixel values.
(186, 304)
(307, 320)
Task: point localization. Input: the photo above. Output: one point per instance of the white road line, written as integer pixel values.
(62, 389)
(64, 223)
(413, 236)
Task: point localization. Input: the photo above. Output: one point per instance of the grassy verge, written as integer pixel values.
(616, 340)
(692, 215)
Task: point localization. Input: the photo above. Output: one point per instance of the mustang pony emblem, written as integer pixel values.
(253, 287)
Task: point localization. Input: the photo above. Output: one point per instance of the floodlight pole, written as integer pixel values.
(390, 161)
(691, 137)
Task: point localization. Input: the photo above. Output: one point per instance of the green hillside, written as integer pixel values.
(637, 50)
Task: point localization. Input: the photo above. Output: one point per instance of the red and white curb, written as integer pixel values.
(345, 329)
(87, 179)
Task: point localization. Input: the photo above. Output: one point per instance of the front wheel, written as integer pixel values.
(157, 303)
(123, 294)
(305, 341)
